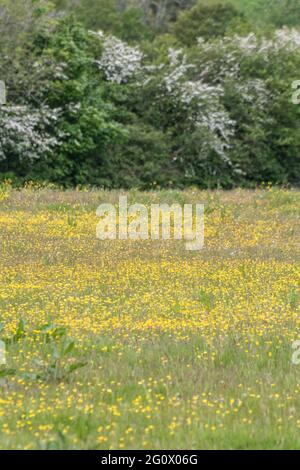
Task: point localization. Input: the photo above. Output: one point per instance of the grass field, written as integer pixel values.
(127, 344)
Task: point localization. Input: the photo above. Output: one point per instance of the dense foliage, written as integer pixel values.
(149, 94)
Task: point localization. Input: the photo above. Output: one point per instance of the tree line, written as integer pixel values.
(150, 93)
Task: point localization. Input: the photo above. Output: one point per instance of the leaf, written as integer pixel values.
(76, 366)
(7, 372)
(68, 348)
(20, 332)
(54, 351)
(52, 331)
(59, 331)
(32, 376)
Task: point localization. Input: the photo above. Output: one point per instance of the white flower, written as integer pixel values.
(23, 132)
(119, 62)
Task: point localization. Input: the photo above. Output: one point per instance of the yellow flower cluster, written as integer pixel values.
(176, 349)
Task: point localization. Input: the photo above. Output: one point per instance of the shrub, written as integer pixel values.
(208, 20)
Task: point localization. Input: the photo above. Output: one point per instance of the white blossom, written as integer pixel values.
(203, 102)
(179, 67)
(119, 62)
(23, 132)
(254, 92)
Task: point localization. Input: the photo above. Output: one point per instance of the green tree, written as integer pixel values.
(123, 18)
(69, 83)
(282, 12)
(276, 13)
(207, 19)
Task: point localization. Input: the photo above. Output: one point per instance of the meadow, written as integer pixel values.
(142, 344)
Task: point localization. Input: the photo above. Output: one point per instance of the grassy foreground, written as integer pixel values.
(123, 344)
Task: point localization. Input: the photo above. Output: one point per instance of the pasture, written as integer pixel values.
(142, 344)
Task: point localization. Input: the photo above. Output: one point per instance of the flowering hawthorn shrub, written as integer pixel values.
(167, 89)
(24, 132)
(256, 74)
(119, 61)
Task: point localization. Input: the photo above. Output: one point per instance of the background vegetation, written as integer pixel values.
(145, 103)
